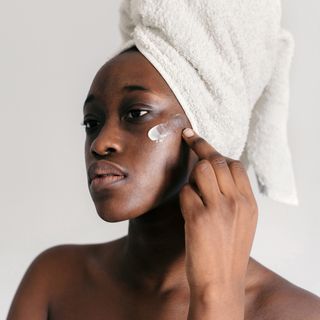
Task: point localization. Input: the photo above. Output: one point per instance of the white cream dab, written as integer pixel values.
(159, 132)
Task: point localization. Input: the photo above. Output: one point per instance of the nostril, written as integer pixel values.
(107, 151)
(100, 154)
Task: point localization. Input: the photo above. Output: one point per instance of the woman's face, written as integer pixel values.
(118, 118)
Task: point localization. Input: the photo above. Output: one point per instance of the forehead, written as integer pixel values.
(130, 67)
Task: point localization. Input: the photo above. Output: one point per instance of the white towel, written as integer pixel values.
(228, 63)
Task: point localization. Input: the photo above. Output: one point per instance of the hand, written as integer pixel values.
(220, 214)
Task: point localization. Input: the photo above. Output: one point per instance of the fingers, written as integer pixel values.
(229, 173)
(206, 182)
(240, 177)
(219, 163)
(189, 201)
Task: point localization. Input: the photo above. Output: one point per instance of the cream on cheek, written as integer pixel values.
(161, 131)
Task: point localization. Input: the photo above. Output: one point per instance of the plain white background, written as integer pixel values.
(50, 51)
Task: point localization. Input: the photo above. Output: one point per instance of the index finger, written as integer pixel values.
(199, 145)
(235, 168)
(204, 150)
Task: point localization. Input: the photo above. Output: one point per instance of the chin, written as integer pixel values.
(110, 214)
(116, 212)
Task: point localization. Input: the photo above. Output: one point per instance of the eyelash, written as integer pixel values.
(85, 122)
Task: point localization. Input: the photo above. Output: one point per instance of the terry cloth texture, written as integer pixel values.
(228, 63)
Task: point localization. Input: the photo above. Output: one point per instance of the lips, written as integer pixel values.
(105, 168)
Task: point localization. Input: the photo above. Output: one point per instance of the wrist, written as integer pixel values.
(210, 294)
(216, 288)
(217, 303)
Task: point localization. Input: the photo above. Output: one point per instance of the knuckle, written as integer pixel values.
(198, 218)
(194, 219)
(233, 204)
(198, 141)
(238, 203)
(201, 166)
(184, 192)
(217, 159)
(251, 202)
(254, 207)
(237, 165)
(250, 205)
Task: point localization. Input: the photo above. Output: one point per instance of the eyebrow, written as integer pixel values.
(134, 87)
(129, 88)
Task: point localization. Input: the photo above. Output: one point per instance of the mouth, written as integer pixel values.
(105, 170)
(104, 181)
(109, 175)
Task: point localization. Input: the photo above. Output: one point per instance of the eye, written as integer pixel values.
(89, 124)
(136, 112)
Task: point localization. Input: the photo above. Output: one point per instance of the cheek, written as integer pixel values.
(165, 162)
(158, 169)
(162, 131)
(156, 173)
(169, 149)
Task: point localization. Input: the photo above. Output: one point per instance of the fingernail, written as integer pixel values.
(188, 132)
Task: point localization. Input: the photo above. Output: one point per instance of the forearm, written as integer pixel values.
(216, 304)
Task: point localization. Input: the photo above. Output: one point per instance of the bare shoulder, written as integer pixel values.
(32, 297)
(281, 299)
(48, 274)
(58, 264)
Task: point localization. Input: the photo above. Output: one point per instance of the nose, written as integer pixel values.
(107, 141)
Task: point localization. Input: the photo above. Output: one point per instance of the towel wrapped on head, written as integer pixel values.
(228, 63)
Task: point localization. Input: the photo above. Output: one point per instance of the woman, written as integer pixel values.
(186, 255)
(192, 219)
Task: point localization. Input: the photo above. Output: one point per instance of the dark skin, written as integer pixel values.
(161, 269)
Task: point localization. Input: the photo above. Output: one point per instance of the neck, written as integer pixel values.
(154, 249)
